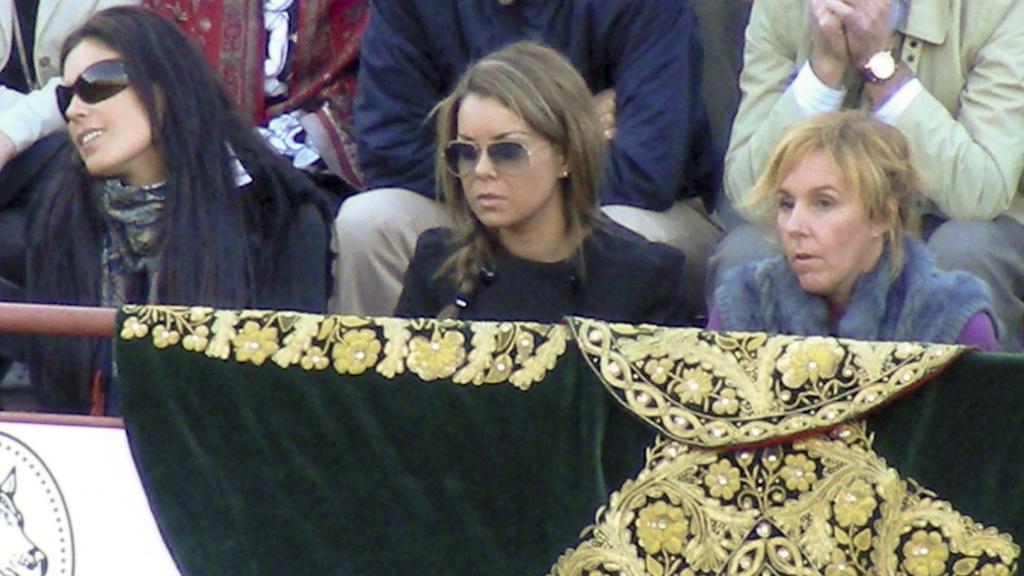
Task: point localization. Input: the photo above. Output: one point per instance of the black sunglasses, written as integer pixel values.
(97, 83)
(509, 158)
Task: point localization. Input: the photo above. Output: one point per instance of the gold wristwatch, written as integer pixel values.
(880, 67)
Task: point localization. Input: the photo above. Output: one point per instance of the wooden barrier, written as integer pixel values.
(52, 320)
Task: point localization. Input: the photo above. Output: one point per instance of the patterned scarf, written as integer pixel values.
(130, 258)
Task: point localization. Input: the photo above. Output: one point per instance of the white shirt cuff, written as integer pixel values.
(31, 116)
(890, 111)
(814, 96)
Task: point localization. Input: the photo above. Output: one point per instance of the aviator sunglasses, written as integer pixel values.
(511, 158)
(97, 83)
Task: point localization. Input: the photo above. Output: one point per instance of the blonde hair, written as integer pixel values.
(874, 157)
(544, 89)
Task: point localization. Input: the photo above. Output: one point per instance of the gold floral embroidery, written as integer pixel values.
(693, 386)
(255, 343)
(314, 359)
(661, 526)
(726, 404)
(925, 554)
(810, 361)
(132, 328)
(722, 479)
(855, 504)
(658, 370)
(798, 473)
(516, 353)
(840, 566)
(162, 337)
(697, 511)
(357, 351)
(197, 341)
(826, 504)
(297, 341)
(720, 389)
(823, 504)
(437, 357)
(223, 330)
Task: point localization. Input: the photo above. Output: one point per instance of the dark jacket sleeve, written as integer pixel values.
(663, 142)
(300, 280)
(421, 293)
(397, 87)
(631, 279)
(666, 304)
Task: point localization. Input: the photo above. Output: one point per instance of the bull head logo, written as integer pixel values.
(19, 556)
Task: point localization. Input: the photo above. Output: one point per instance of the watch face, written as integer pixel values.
(881, 66)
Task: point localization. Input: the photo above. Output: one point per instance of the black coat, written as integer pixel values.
(63, 370)
(620, 277)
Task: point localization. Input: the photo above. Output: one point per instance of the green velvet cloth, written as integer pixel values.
(961, 435)
(269, 471)
(264, 470)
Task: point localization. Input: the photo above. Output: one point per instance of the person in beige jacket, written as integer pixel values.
(948, 73)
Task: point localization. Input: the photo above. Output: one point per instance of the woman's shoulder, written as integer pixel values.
(303, 223)
(423, 294)
(308, 213)
(614, 245)
(433, 248)
(434, 245)
(924, 277)
(931, 295)
(631, 279)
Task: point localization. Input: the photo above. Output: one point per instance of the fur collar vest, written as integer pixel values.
(922, 303)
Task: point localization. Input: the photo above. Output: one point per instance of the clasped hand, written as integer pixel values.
(848, 32)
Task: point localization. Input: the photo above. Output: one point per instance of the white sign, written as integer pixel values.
(71, 502)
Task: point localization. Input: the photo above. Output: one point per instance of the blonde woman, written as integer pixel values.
(519, 165)
(842, 194)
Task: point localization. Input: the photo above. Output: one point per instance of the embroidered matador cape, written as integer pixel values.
(280, 443)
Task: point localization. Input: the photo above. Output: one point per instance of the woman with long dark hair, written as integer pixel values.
(169, 196)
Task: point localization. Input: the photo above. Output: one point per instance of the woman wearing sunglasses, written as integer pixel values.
(521, 152)
(169, 196)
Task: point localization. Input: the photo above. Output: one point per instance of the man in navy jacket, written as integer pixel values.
(642, 60)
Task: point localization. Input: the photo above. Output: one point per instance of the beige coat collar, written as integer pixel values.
(927, 20)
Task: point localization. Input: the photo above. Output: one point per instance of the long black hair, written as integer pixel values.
(210, 224)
